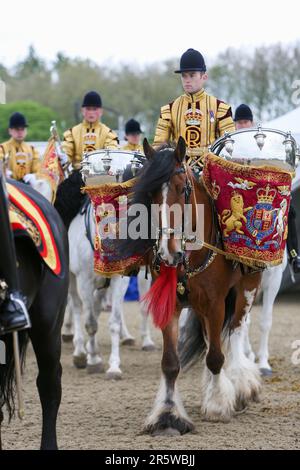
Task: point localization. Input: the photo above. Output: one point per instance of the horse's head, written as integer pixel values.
(170, 192)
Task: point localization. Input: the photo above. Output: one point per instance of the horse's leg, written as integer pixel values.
(45, 336)
(114, 371)
(218, 397)
(168, 415)
(242, 371)
(85, 289)
(67, 329)
(126, 337)
(247, 345)
(144, 285)
(74, 304)
(271, 281)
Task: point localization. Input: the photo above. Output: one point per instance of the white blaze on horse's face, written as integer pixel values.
(171, 259)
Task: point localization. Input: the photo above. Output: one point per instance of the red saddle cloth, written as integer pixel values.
(110, 206)
(252, 204)
(27, 219)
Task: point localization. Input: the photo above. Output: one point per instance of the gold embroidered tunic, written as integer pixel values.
(86, 137)
(199, 118)
(133, 147)
(22, 158)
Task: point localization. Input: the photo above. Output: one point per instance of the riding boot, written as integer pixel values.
(13, 311)
(292, 241)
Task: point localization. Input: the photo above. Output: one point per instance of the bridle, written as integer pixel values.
(188, 190)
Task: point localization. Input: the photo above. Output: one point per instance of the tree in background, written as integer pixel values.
(38, 117)
(261, 78)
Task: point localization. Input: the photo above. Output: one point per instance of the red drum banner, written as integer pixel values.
(252, 204)
(110, 206)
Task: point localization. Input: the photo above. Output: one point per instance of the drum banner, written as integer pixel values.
(252, 204)
(51, 168)
(27, 219)
(110, 209)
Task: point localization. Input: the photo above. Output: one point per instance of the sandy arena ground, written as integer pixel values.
(99, 414)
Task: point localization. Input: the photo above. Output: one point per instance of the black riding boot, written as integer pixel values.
(292, 241)
(13, 311)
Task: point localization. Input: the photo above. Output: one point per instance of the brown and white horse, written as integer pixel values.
(218, 293)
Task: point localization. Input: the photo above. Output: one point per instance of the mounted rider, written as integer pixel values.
(133, 133)
(13, 311)
(21, 160)
(90, 134)
(196, 116)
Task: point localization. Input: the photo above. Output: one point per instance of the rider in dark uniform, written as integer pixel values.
(244, 119)
(13, 311)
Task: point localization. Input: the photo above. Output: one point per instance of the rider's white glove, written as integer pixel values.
(63, 158)
(8, 173)
(29, 178)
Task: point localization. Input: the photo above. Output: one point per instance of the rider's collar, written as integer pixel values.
(196, 96)
(91, 125)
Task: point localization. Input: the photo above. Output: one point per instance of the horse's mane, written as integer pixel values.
(156, 171)
(69, 198)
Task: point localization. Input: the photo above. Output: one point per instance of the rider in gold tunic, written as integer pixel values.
(132, 135)
(21, 160)
(90, 134)
(196, 116)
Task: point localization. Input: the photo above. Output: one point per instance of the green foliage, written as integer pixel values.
(38, 117)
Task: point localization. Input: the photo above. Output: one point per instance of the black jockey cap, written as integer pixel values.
(132, 127)
(243, 113)
(17, 120)
(191, 61)
(92, 99)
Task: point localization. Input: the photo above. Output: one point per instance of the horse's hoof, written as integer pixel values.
(80, 361)
(166, 432)
(168, 424)
(265, 372)
(67, 338)
(128, 342)
(113, 375)
(95, 368)
(149, 347)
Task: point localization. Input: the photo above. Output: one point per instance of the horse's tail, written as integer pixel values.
(7, 370)
(69, 197)
(192, 341)
(225, 214)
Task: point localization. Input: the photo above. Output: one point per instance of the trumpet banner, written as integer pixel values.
(51, 169)
(252, 204)
(110, 208)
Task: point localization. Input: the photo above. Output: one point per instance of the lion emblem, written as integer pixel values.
(232, 218)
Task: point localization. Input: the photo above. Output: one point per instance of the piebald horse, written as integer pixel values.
(219, 294)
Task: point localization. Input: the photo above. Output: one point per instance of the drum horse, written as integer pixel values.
(219, 292)
(46, 296)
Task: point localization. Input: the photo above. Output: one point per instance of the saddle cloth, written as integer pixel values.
(27, 219)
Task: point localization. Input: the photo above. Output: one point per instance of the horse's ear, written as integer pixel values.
(148, 150)
(180, 150)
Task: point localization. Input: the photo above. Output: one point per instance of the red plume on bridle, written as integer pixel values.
(160, 300)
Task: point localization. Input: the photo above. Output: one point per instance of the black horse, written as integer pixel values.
(46, 297)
